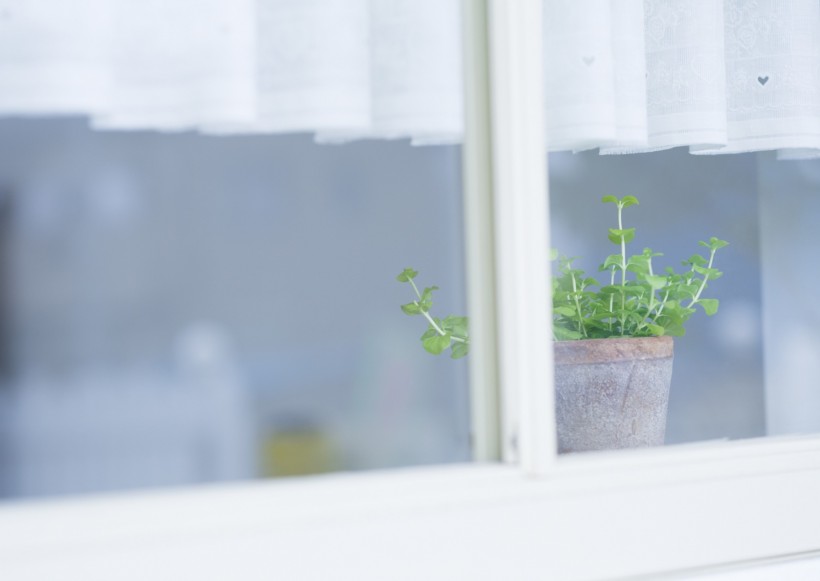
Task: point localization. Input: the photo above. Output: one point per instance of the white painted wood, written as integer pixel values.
(606, 516)
(522, 228)
(479, 241)
(798, 568)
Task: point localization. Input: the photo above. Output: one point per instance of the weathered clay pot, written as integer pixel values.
(612, 393)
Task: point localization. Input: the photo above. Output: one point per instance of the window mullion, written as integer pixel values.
(522, 237)
(479, 243)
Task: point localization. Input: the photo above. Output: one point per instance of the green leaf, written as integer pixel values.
(615, 235)
(610, 290)
(655, 281)
(639, 260)
(627, 201)
(565, 263)
(427, 297)
(411, 309)
(696, 260)
(715, 243)
(553, 254)
(459, 350)
(609, 200)
(437, 344)
(636, 318)
(711, 273)
(563, 334)
(599, 317)
(613, 260)
(656, 330)
(406, 275)
(430, 332)
(565, 311)
(455, 325)
(675, 330)
(710, 306)
(683, 291)
(638, 265)
(633, 291)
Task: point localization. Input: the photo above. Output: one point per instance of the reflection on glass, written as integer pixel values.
(790, 237)
(180, 309)
(717, 383)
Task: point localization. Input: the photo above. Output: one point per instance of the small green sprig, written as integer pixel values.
(441, 334)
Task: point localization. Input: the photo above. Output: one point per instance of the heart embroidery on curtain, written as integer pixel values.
(763, 80)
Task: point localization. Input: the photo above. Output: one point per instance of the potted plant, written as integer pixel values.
(613, 342)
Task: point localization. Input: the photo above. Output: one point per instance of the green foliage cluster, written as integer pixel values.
(442, 334)
(636, 302)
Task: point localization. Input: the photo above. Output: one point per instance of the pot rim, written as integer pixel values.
(585, 351)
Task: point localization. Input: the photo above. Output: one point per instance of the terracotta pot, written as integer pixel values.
(612, 393)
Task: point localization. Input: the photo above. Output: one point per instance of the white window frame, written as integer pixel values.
(726, 510)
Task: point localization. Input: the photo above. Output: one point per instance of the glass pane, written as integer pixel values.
(789, 236)
(180, 308)
(698, 127)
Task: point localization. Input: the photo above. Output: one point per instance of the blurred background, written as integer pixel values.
(178, 308)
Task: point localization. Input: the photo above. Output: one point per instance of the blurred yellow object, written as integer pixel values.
(296, 452)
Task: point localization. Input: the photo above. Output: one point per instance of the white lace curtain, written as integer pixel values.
(718, 76)
(343, 69)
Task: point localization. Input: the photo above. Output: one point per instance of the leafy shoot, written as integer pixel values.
(441, 334)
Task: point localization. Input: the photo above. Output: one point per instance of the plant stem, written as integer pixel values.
(651, 296)
(578, 306)
(623, 246)
(660, 309)
(430, 320)
(623, 269)
(415, 288)
(703, 282)
(611, 296)
(436, 327)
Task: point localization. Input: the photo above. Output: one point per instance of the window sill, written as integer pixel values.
(598, 516)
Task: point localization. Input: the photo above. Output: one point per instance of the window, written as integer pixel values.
(682, 510)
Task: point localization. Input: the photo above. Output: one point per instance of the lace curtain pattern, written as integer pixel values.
(718, 76)
(343, 69)
(622, 76)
